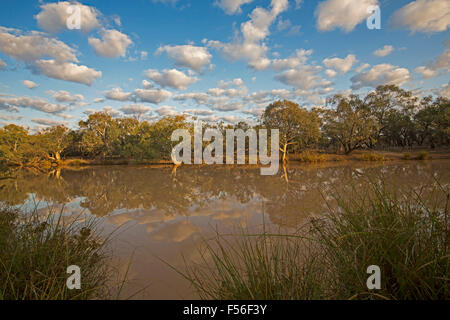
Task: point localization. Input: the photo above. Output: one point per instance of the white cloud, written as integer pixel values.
(425, 72)
(35, 103)
(382, 74)
(30, 84)
(65, 96)
(331, 73)
(385, 51)
(196, 58)
(250, 45)
(300, 58)
(198, 97)
(53, 17)
(200, 112)
(443, 60)
(113, 44)
(304, 78)
(232, 6)
(117, 94)
(35, 45)
(147, 84)
(167, 111)
(135, 109)
(445, 90)
(362, 67)
(341, 65)
(155, 96)
(30, 47)
(171, 78)
(423, 16)
(49, 122)
(344, 14)
(68, 71)
(99, 100)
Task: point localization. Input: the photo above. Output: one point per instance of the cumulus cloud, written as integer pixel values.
(343, 14)
(113, 44)
(341, 65)
(200, 112)
(385, 51)
(189, 56)
(35, 103)
(232, 6)
(250, 45)
(65, 96)
(198, 97)
(171, 78)
(155, 96)
(117, 94)
(50, 122)
(441, 62)
(444, 90)
(304, 78)
(30, 84)
(28, 48)
(167, 111)
(423, 16)
(67, 71)
(53, 17)
(382, 74)
(425, 72)
(135, 109)
(147, 84)
(300, 58)
(32, 47)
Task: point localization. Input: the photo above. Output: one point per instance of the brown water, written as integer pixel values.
(167, 215)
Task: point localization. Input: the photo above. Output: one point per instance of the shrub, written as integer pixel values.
(423, 156)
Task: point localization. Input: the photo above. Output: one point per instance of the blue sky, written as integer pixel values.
(218, 60)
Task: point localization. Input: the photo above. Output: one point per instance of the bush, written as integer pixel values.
(423, 156)
(407, 156)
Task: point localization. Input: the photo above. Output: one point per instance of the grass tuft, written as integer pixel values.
(406, 235)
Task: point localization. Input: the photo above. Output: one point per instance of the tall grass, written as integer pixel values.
(406, 235)
(35, 252)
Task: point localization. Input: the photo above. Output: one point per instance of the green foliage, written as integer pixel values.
(372, 157)
(298, 126)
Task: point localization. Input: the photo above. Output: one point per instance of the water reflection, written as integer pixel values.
(169, 209)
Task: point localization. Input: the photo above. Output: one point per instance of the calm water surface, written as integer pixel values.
(166, 214)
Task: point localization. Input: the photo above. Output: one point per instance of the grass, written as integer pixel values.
(406, 235)
(423, 156)
(372, 157)
(311, 157)
(35, 252)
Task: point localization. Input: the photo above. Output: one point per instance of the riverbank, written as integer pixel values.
(304, 157)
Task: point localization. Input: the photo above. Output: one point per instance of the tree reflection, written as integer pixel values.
(297, 193)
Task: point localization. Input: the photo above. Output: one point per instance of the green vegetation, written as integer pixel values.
(372, 157)
(388, 117)
(406, 235)
(35, 253)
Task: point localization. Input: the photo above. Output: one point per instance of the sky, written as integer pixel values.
(218, 60)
